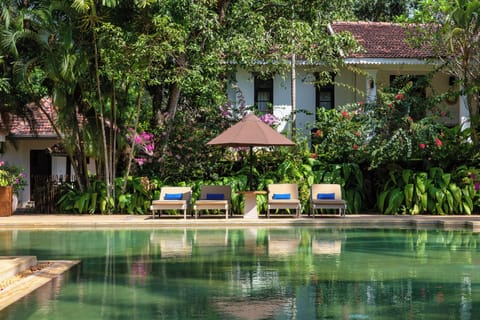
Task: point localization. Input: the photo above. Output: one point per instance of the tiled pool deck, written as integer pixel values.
(62, 221)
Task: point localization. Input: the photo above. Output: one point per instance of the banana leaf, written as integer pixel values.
(406, 175)
(421, 181)
(408, 190)
(381, 200)
(395, 201)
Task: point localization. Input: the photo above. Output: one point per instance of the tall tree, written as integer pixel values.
(382, 10)
(268, 37)
(452, 27)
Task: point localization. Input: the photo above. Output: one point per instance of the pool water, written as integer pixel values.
(287, 273)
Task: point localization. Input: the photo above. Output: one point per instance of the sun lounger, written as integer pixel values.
(214, 198)
(172, 198)
(327, 196)
(283, 196)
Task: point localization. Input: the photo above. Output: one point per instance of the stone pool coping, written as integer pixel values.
(28, 276)
(69, 221)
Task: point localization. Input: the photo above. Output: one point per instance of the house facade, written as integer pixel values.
(29, 142)
(386, 55)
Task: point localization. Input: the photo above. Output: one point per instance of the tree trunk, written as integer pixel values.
(174, 97)
(294, 95)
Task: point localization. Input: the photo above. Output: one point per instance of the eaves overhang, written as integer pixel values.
(386, 61)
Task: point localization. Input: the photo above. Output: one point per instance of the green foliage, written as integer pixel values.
(434, 192)
(382, 10)
(136, 200)
(11, 175)
(454, 33)
(92, 201)
(394, 128)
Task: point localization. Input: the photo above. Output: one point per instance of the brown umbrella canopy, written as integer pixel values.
(251, 132)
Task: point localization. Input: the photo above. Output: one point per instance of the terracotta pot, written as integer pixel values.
(6, 195)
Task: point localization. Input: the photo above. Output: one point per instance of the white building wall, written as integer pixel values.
(282, 104)
(18, 154)
(305, 103)
(350, 87)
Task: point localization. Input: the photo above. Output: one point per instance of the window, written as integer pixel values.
(263, 94)
(325, 94)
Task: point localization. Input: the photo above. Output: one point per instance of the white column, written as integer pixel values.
(371, 85)
(464, 114)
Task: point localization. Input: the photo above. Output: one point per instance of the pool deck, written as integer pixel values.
(68, 221)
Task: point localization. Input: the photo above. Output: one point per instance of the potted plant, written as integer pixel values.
(12, 180)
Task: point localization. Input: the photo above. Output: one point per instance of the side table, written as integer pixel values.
(250, 210)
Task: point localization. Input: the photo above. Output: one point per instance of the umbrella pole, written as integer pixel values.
(251, 168)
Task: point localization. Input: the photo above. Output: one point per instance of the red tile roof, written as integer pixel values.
(383, 40)
(34, 124)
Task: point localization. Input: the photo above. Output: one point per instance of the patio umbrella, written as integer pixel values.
(251, 132)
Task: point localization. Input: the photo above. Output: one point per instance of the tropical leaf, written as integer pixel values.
(395, 201)
(421, 181)
(408, 190)
(381, 200)
(406, 175)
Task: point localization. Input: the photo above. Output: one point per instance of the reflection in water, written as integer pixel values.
(326, 246)
(172, 245)
(283, 244)
(294, 273)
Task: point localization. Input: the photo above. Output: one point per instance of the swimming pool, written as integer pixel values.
(253, 273)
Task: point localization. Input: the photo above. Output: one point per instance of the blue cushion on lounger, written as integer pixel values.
(173, 196)
(326, 196)
(281, 196)
(215, 196)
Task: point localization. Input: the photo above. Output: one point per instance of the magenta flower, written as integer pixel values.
(269, 119)
(140, 161)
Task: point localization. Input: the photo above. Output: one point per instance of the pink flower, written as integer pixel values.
(422, 145)
(355, 147)
(140, 161)
(319, 133)
(390, 105)
(361, 103)
(477, 186)
(269, 119)
(344, 114)
(313, 156)
(438, 142)
(400, 96)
